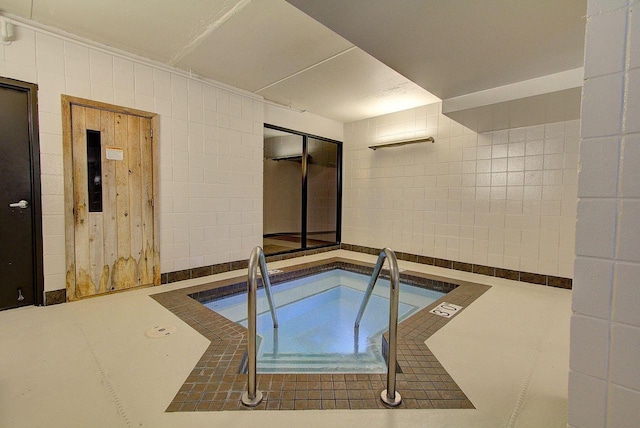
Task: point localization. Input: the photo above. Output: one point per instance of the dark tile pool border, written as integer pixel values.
(278, 278)
(215, 384)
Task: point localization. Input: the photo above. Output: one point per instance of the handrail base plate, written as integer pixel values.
(391, 402)
(253, 402)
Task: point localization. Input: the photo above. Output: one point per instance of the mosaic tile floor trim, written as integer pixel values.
(215, 384)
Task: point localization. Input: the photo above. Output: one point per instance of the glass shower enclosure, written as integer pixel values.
(301, 191)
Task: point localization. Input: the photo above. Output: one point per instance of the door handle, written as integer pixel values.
(22, 204)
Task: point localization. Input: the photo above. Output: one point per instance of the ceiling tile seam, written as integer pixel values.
(306, 69)
(197, 41)
(110, 50)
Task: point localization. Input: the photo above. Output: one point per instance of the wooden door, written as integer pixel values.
(112, 197)
(20, 222)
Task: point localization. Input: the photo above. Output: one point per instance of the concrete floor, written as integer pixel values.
(89, 363)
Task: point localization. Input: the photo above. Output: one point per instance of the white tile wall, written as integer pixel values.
(505, 198)
(587, 401)
(623, 408)
(210, 195)
(604, 382)
(587, 356)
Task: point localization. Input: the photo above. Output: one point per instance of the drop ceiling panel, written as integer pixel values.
(451, 47)
(350, 87)
(16, 7)
(456, 47)
(154, 29)
(536, 110)
(266, 42)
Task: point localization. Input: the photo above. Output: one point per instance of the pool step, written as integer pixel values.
(318, 363)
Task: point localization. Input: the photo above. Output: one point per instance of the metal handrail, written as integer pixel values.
(372, 282)
(252, 397)
(389, 396)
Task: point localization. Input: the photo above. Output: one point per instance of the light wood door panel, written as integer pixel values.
(109, 211)
(113, 248)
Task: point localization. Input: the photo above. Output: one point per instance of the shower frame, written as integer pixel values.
(305, 191)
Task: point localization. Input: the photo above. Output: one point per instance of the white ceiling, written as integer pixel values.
(263, 46)
(271, 48)
(457, 47)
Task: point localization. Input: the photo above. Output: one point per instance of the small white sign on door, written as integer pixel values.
(446, 310)
(114, 153)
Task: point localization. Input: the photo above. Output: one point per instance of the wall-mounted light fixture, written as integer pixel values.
(402, 143)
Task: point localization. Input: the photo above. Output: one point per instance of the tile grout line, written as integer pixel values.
(120, 408)
(524, 392)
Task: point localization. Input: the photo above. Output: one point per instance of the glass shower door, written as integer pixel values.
(282, 191)
(322, 193)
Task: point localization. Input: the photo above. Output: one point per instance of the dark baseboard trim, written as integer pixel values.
(60, 296)
(55, 297)
(181, 275)
(532, 278)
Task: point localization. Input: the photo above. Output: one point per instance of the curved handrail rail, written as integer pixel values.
(252, 397)
(372, 282)
(257, 255)
(389, 396)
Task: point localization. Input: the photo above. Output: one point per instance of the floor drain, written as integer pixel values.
(161, 331)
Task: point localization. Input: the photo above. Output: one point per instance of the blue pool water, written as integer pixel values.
(316, 316)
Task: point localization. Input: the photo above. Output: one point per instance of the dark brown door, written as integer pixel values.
(17, 243)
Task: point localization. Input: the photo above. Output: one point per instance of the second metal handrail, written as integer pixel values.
(389, 396)
(252, 397)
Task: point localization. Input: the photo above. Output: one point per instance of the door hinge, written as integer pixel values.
(151, 132)
(153, 203)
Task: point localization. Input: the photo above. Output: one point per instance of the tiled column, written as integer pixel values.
(604, 381)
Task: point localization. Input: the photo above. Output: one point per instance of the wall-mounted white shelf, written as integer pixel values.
(403, 143)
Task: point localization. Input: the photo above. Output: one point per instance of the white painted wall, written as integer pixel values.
(210, 196)
(505, 199)
(604, 381)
